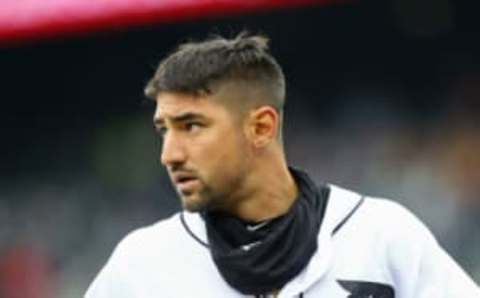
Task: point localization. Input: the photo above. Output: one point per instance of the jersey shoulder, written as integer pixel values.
(382, 216)
(148, 240)
(394, 216)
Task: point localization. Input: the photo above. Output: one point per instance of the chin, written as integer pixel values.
(194, 203)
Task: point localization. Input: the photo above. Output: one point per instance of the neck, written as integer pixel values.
(271, 192)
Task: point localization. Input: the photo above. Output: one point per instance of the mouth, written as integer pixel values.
(185, 182)
(182, 178)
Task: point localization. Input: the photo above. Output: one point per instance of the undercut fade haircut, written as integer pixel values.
(198, 68)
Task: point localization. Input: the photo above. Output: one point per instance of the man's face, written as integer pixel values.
(204, 149)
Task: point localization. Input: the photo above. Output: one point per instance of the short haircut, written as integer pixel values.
(197, 68)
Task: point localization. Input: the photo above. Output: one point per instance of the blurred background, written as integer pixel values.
(383, 98)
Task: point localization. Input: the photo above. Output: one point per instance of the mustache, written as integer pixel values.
(182, 171)
(182, 174)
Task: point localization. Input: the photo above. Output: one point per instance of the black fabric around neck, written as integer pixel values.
(260, 261)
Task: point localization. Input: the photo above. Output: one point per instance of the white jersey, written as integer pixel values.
(367, 247)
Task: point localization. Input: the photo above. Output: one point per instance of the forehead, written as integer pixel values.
(172, 104)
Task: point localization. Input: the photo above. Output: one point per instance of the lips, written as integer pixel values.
(185, 182)
(179, 178)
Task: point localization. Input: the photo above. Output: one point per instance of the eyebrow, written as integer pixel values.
(180, 118)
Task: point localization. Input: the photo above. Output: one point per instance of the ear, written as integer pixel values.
(263, 126)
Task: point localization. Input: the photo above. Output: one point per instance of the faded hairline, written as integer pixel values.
(200, 69)
(239, 97)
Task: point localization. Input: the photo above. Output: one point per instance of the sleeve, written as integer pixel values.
(113, 281)
(420, 267)
(108, 284)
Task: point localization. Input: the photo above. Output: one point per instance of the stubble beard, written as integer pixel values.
(209, 198)
(198, 201)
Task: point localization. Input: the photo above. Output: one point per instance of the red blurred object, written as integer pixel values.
(34, 19)
(25, 273)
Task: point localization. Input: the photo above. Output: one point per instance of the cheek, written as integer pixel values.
(221, 155)
(232, 146)
(233, 160)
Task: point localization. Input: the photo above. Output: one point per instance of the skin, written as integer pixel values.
(224, 158)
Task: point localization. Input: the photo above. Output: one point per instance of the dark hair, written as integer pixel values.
(197, 68)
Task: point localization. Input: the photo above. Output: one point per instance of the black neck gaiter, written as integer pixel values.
(260, 259)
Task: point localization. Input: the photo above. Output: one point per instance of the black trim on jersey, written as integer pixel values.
(358, 288)
(335, 230)
(265, 296)
(190, 232)
(340, 225)
(324, 191)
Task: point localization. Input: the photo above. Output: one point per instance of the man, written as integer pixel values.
(252, 226)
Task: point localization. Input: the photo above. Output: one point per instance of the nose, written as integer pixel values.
(173, 152)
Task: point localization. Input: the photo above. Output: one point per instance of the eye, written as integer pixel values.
(193, 126)
(161, 130)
